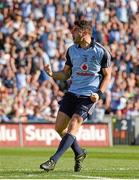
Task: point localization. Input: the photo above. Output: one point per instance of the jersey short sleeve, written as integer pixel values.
(68, 59)
(106, 59)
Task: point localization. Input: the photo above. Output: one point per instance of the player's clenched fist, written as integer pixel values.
(48, 69)
(94, 97)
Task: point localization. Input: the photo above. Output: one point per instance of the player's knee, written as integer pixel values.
(75, 121)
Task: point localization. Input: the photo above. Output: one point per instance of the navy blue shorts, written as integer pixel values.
(75, 104)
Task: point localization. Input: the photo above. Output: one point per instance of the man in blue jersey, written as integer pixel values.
(88, 66)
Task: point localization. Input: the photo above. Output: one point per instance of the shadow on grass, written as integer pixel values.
(33, 174)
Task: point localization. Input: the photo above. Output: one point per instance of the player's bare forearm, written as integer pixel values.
(60, 75)
(105, 83)
(106, 79)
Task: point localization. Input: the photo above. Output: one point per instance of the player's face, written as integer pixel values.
(76, 34)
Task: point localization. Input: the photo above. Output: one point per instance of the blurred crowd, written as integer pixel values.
(37, 32)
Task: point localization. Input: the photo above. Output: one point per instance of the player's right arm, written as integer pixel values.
(60, 75)
(65, 73)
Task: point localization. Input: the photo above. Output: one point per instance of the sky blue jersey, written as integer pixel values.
(86, 65)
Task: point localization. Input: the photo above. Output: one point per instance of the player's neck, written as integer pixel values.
(86, 43)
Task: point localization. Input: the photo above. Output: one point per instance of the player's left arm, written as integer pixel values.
(106, 71)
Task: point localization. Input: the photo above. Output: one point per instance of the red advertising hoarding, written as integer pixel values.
(9, 135)
(45, 135)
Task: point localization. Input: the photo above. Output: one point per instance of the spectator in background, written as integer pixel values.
(121, 12)
(26, 8)
(51, 48)
(21, 79)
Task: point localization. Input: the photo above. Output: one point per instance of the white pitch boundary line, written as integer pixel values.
(89, 177)
(97, 177)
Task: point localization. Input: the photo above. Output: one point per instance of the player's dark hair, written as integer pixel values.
(84, 25)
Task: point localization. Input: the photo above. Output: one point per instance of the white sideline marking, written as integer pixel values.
(90, 177)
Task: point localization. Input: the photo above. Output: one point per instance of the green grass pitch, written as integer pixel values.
(112, 162)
